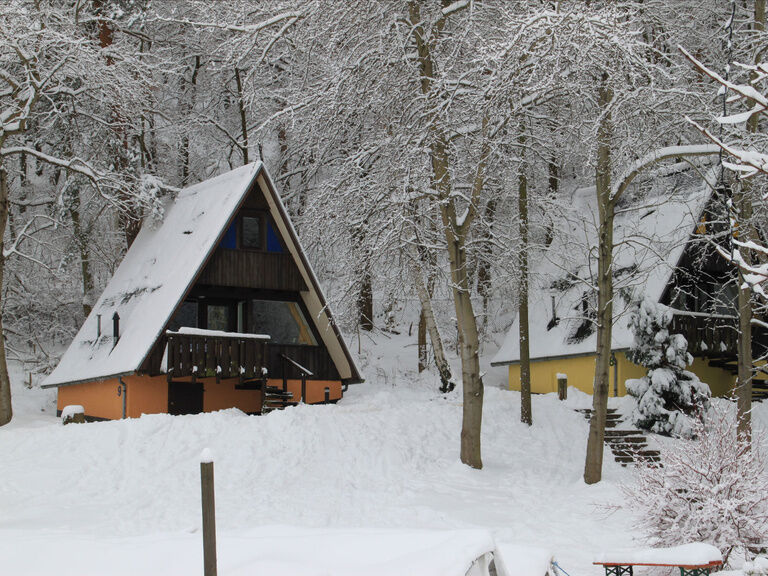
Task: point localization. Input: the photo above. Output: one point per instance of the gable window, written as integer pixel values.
(218, 317)
(252, 232)
(186, 316)
(283, 321)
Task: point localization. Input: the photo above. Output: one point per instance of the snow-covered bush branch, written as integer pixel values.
(711, 489)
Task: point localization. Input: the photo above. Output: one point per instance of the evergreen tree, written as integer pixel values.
(668, 395)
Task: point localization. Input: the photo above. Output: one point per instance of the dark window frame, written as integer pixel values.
(294, 299)
(202, 312)
(262, 217)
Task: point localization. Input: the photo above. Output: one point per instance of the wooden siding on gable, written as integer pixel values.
(314, 358)
(258, 270)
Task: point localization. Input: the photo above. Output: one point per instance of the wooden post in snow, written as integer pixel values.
(209, 513)
(562, 386)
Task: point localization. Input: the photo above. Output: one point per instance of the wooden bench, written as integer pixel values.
(691, 559)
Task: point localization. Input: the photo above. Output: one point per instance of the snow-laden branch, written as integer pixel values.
(749, 163)
(73, 165)
(456, 7)
(743, 90)
(659, 155)
(24, 234)
(249, 29)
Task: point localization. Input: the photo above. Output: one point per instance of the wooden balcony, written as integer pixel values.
(208, 353)
(716, 337)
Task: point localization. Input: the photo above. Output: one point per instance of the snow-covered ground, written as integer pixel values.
(123, 497)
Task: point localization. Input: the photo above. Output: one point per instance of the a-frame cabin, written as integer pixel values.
(660, 254)
(214, 307)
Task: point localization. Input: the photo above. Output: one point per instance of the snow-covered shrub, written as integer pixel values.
(758, 567)
(668, 395)
(711, 489)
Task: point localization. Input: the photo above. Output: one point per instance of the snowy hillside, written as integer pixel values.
(385, 458)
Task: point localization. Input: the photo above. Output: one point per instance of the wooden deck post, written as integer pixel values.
(562, 386)
(209, 514)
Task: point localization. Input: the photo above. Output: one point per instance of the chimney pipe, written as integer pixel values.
(116, 327)
(98, 325)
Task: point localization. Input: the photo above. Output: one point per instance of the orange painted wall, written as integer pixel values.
(146, 395)
(149, 395)
(315, 389)
(99, 399)
(223, 395)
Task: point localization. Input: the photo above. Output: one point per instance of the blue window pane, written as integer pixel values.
(273, 240)
(230, 238)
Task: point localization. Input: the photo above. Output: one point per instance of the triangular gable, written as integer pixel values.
(162, 265)
(651, 239)
(313, 298)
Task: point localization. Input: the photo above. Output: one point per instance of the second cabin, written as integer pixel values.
(214, 307)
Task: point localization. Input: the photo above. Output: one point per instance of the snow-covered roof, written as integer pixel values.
(650, 234)
(152, 279)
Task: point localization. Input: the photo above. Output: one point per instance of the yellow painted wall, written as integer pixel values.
(581, 374)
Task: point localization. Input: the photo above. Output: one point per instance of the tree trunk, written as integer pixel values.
(421, 341)
(743, 203)
(365, 302)
(469, 346)
(430, 325)
(243, 117)
(553, 185)
(6, 410)
(81, 239)
(744, 382)
(189, 104)
(455, 236)
(593, 467)
(486, 256)
(526, 415)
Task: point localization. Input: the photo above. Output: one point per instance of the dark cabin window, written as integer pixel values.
(251, 233)
(186, 316)
(284, 322)
(218, 317)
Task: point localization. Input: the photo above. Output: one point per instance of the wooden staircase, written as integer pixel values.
(759, 382)
(272, 397)
(627, 446)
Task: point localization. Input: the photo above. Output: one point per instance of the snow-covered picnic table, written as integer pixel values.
(695, 559)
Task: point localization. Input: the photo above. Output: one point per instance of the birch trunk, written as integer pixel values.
(365, 300)
(484, 278)
(6, 410)
(526, 415)
(593, 467)
(455, 237)
(188, 106)
(243, 117)
(81, 238)
(743, 203)
(430, 326)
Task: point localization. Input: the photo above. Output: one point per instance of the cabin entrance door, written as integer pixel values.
(185, 398)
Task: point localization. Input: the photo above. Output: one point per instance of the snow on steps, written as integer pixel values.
(628, 446)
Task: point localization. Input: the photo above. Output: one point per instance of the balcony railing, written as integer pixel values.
(706, 336)
(207, 353)
(715, 336)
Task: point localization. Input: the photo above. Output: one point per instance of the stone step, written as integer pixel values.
(639, 454)
(631, 459)
(625, 439)
(625, 432)
(628, 447)
(588, 411)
